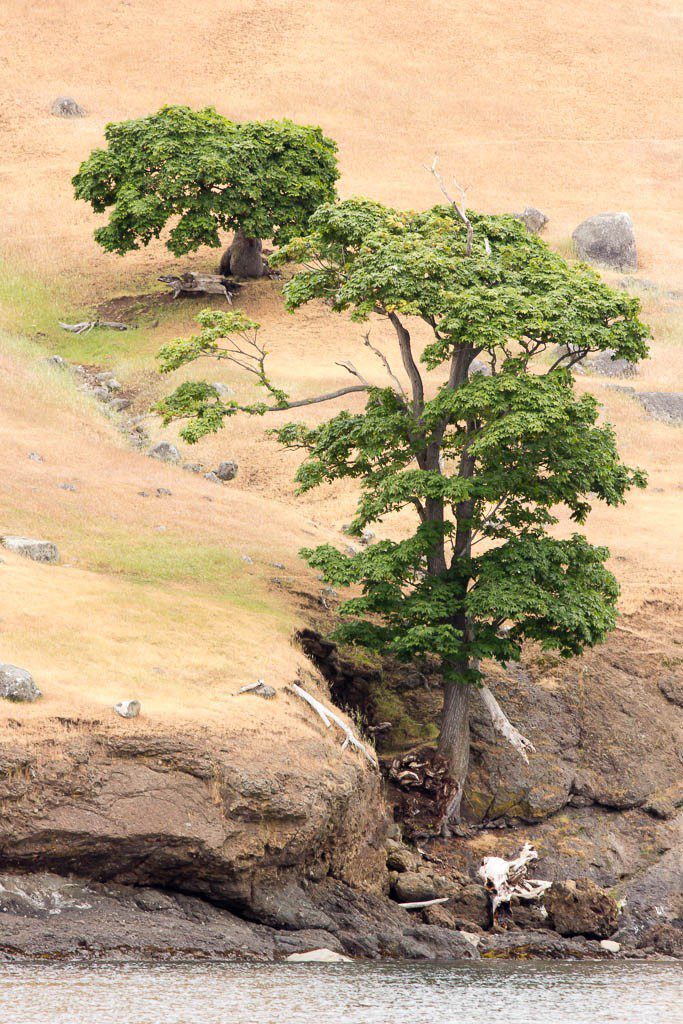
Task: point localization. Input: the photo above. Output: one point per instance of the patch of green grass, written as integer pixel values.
(33, 309)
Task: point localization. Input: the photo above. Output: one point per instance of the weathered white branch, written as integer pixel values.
(504, 879)
(504, 726)
(424, 903)
(328, 717)
(460, 210)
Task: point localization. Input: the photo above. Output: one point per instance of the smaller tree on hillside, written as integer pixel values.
(207, 175)
(481, 435)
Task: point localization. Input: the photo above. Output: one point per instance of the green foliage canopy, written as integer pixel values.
(484, 459)
(206, 174)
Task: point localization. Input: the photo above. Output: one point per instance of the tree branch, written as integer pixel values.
(409, 364)
(504, 726)
(329, 397)
(385, 362)
(461, 212)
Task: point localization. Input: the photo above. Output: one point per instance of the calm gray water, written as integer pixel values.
(386, 993)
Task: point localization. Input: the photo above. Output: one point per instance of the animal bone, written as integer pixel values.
(504, 879)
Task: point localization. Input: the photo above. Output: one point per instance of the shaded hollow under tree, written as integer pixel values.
(483, 461)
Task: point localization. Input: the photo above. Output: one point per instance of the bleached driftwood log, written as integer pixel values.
(504, 726)
(85, 326)
(329, 717)
(191, 283)
(420, 904)
(504, 879)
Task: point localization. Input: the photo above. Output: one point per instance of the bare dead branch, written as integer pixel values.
(385, 362)
(460, 210)
(504, 726)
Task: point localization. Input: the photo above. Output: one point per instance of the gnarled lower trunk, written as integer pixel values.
(243, 258)
(454, 742)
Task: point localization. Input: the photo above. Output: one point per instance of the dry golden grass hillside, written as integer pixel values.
(574, 107)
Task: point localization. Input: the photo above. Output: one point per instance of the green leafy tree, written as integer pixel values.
(482, 435)
(207, 175)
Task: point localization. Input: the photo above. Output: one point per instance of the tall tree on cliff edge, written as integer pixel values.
(482, 436)
(207, 175)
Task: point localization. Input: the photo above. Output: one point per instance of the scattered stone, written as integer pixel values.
(351, 549)
(222, 389)
(610, 945)
(414, 887)
(213, 477)
(400, 858)
(120, 404)
(65, 106)
(479, 366)
(608, 239)
(163, 492)
(104, 377)
(259, 689)
(580, 907)
(320, 956)
(366, 537)
(227, 470)
(17, 684)
(36, 550)
(533, 219)
(193, 467)
(165, 452)
(102, 394)
(607, 364)
(113, 384)
(67, 487)
(144, 494)
(248, 559)
(57, 361)
(128, 708)
(666, 406)
(35, 457)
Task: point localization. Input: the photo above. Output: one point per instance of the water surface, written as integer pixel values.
(376, 993)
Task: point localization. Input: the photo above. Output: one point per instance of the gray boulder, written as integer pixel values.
(165, 452)
(479, 366)
(666, 406)
(223, 390)
(17, 684)
(605, 364)
(227, 470)
(320, 956)
(65, 106)
(533, 219)
(57, 361)
(213, 477)
(580, 907)
(36, 550)
(607, 239)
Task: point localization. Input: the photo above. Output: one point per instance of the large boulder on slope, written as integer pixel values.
(17, 684)
(36, 550)
(580, 907)
(607, 239)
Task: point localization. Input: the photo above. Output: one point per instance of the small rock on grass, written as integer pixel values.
(36, 550)
(227, 470)
(16, 684)
(127, 708)
(165, 452)
(66, 106)
(320, 956)
(213, 477)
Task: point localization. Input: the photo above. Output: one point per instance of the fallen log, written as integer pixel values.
(190, 283)
(85, 326)
(328, 717)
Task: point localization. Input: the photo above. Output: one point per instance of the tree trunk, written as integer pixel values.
(454, 740)
(244, 258)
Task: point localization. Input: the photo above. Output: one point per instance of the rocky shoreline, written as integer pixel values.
(47, 916)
